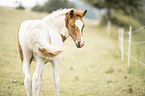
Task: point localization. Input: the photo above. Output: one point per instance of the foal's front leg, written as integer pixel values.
(55, 64)
(26, 68)
(37, 81)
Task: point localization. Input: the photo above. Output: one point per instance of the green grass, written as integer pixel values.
(94, 70)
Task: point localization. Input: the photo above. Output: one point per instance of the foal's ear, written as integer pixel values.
(71, 13)
(84, 13)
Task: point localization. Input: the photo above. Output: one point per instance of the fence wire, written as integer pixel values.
(135, 59)
(137, 30)
(142, 42)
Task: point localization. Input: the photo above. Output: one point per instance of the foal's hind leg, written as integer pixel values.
(37, 81)
(55, 64)
(26, 68)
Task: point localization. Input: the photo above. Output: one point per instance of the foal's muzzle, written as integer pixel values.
(79, 44)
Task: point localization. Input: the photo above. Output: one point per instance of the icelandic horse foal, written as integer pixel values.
(42, 41)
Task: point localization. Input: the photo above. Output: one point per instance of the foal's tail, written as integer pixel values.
(47, 53)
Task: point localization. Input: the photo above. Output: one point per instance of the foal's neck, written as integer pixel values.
(58, 24)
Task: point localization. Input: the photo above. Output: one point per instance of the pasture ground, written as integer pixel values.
(94, 70)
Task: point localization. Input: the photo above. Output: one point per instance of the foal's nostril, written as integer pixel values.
(82, 45)
(79, 44)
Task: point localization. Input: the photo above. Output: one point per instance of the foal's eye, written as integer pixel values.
(72, 26)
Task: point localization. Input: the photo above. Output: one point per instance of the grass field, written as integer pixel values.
(94, 70)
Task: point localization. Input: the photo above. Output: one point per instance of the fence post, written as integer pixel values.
(121, 42)
(108, 28)
(129, 45)
(119, 37)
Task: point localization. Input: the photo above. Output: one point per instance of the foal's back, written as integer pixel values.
(36, 37)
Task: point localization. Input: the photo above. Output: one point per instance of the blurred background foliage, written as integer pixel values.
(122, 13)
(20, 7)
(119, 11)
(52, 5)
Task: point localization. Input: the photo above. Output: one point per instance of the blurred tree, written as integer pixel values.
(38, 8)
(20, 7)
(141, 18)
(128, 7)
(52, 5)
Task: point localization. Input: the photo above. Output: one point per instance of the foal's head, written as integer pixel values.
(75, 25)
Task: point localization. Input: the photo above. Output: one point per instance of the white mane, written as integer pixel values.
(55, 14)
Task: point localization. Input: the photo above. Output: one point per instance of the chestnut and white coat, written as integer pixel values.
(42, 41)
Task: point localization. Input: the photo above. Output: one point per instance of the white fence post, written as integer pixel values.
(122, 54)
(121, 42)
(119, 36)
(108, 29)
(129, 45)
